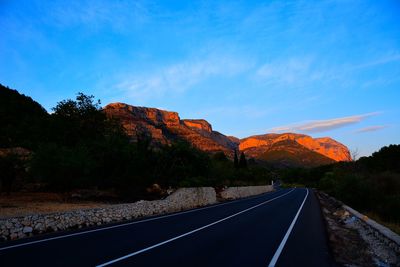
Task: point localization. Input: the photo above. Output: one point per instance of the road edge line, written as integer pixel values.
(285, 238)
(159, 217)
(189, 233)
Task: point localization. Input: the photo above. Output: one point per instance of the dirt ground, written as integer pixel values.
(351, 245)
(21, 204)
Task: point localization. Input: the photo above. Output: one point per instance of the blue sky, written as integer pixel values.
(323, 68)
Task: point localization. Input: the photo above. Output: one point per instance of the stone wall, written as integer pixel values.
(244, 191)
(181, 199)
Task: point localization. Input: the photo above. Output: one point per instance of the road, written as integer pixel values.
(282, 228)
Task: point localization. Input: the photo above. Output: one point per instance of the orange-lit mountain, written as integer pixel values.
(165, 127)
(291, 149)
(284, 149)
(325, 146)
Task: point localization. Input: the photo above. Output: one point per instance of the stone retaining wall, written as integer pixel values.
(181, 199)
(245, 191)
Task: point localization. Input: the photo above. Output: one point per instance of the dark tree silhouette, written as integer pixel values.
(242, 161)
(236, 160)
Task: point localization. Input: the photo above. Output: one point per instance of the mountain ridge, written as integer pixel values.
(166, 126)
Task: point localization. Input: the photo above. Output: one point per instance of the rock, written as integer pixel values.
(245, 191)
(13, 236)
(181, 199)
(202, 125)
(21, 235)
(27, 229)
(259, 145)
(26, 223)
(165, 126)
(39, 227)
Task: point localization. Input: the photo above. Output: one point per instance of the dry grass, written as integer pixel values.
(395, 227)
(21, 204)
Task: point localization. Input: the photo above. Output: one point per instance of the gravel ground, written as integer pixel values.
(351, 241)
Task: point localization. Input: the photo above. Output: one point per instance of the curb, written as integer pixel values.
(386, 232)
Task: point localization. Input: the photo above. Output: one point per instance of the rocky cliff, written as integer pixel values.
(165, 127)
(287, 149)
(327, 147)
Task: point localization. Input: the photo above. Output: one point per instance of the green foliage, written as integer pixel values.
(23, 121)
(290, 154)
(235, 160)
(10, 165)
(370, 184)
(79, 147)
(62, 168)
(242, 161)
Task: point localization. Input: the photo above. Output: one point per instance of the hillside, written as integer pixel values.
(287, 149)
(259, 145)
(26, 123)
(165, 127)
(22, 119)
(289, 153)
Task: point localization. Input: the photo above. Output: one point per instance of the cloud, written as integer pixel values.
(379, 61)
(323, 125)
(290, 71)
(94, 15)
(179, 77)
(371, 129)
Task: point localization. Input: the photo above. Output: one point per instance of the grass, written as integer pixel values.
(291, 185)
(395, 227)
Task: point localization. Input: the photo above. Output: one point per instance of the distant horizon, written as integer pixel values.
(103, 105)
(324, 69)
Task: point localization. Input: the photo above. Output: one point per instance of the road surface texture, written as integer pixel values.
(282, 228)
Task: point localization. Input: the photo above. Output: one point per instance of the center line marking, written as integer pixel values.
(285, 238)
(159, 217)
(188, 233)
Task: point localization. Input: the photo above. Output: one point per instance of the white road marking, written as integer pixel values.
(119, 225)
(188, 233)
(285, 238)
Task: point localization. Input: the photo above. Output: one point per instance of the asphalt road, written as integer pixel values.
(282, 228)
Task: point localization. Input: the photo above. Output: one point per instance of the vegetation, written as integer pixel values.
(370, 184)
(22, 120)
(79, 147)
(290, 154)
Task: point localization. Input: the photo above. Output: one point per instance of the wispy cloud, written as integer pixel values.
(178, 78)
(323, 125)
(290, 71)
(394, 57)
(371, 128)
(94, 15)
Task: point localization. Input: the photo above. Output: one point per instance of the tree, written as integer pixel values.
(242, 161)
(23, 121)
(8, 170)
(79, 121)
(354, 154)
(235, 160)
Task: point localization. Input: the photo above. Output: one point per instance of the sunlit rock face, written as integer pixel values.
(165, 127)
(326, 146)
(198, 124)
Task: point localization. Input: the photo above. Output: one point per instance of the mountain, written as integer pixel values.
(22, 119)
(25, 123)
(259, 145)
(165, 127)
(287, 149)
